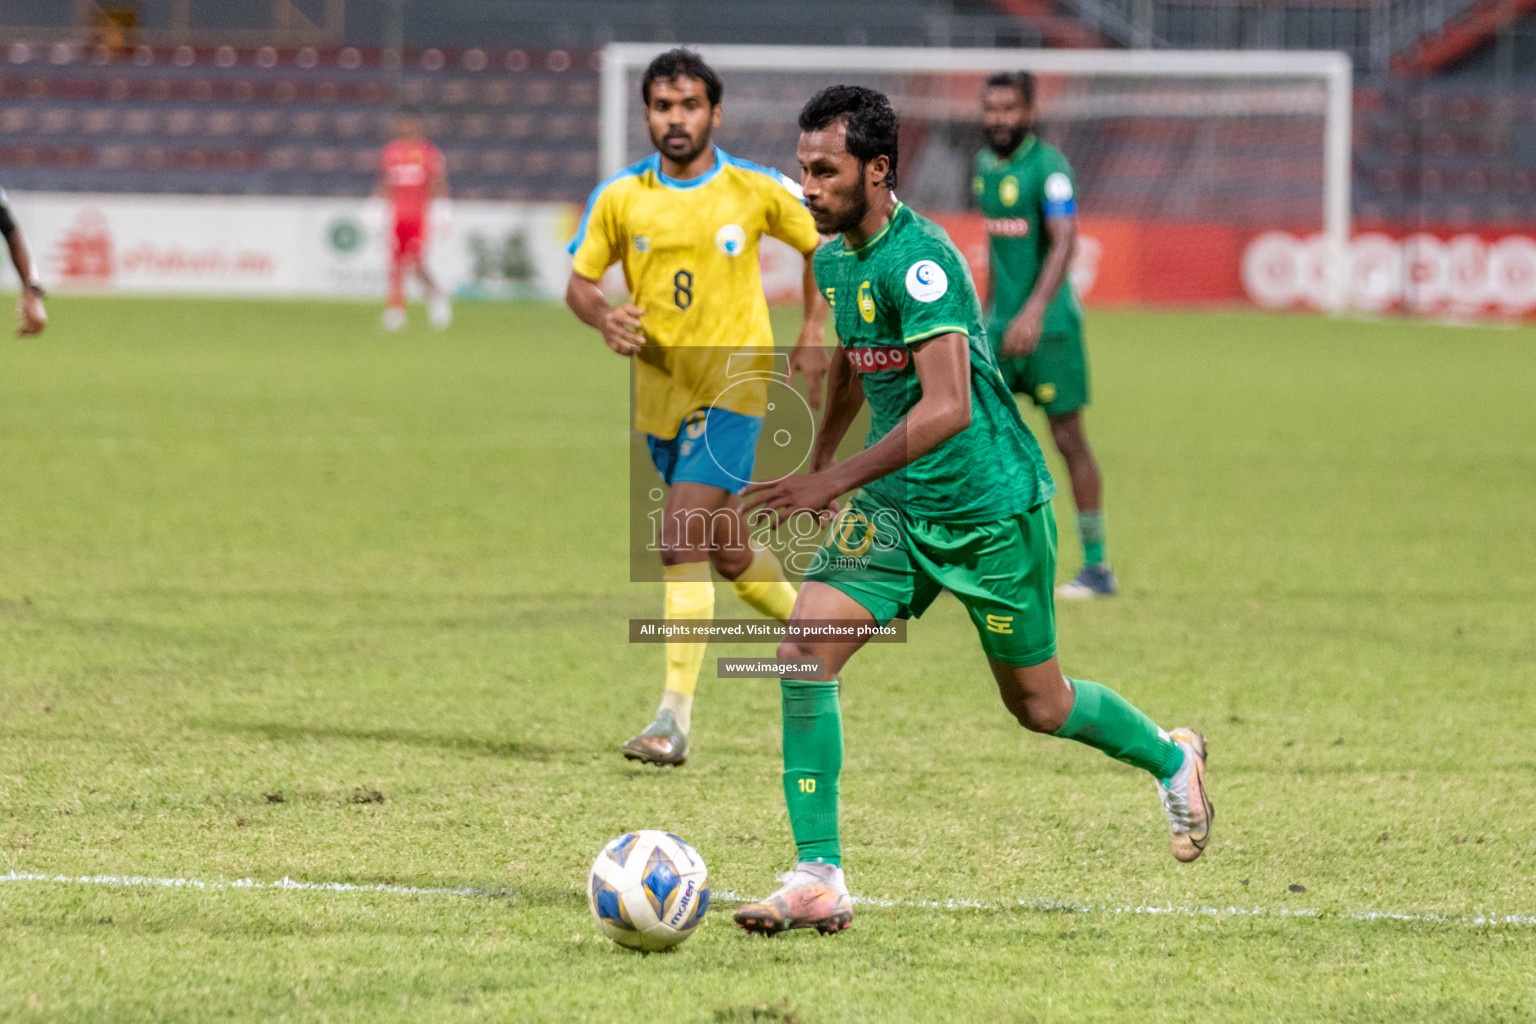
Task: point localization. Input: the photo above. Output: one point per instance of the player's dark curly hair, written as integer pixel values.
(681, 63)
(867, 116)
(1023, 81)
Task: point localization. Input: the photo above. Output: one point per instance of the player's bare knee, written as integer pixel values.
(1039, 698)
(731, 562)
(1038, 713)
(684, 535)
(730, 551)
(1019, 705)
(1070, 439)
(789, 649)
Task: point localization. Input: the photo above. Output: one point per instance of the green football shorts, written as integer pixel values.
(1003, 572)
(1054, 376)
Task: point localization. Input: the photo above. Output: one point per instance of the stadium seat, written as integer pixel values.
(253, 121)
(308, 124)
(183, 122)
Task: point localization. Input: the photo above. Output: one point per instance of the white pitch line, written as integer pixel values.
(728, 896)
(140, 881)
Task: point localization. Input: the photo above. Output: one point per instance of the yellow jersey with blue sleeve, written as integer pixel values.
(689, 249)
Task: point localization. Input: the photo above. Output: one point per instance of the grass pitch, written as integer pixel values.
(283, 597)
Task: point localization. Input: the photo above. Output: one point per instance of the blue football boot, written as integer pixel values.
(1090, 582)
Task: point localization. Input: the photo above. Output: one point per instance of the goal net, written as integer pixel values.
(1202, 176)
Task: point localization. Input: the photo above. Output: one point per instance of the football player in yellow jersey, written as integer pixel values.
(685, 223)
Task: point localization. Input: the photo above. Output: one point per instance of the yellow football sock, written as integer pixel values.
(690, 594)
(764, 587)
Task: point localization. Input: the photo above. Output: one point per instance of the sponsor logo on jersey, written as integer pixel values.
(978, 184)
(875, 358)
(731, 240)
(1008, 190)
(1046, 393)
(926, 281)
(1058, 188)
(1000, 624)
(866, 303)
(832, 297)
(642, 243)
(1008, 227)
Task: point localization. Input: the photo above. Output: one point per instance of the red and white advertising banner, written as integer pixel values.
(270, 246)
(1121, 262)
(1459, 273)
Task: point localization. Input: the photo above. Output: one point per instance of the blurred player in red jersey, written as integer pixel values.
(414, 181)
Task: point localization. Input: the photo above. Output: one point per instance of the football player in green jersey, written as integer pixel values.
(952, 494)
(1026, 191)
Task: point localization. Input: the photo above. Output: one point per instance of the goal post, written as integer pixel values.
(1260, 139)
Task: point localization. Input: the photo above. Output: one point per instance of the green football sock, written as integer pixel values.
(1107, 721)
(1090, 530)
(813, 757)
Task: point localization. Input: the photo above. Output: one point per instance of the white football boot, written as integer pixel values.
(440, 312)
(1185, 801)
(812, 896)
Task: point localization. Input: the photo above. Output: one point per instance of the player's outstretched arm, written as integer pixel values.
(845, 396)
(1023, 334)
(619, 325)
(34, 317)
(943, 365)
(810, 356)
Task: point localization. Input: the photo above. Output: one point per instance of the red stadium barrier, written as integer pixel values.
(1436, 270)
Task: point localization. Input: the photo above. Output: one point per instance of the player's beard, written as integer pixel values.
(697, 147)
(1004, 144)
(852, 215)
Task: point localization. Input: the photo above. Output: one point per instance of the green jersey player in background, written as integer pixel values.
(1035, 321)
(952, 494)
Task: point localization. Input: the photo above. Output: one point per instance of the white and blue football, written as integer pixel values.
(648, 890)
